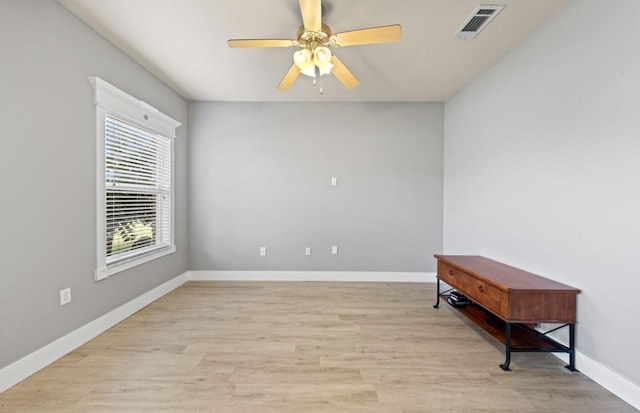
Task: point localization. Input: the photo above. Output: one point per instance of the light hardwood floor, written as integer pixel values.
(304, 348)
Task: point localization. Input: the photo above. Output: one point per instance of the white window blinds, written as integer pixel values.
(137, 190)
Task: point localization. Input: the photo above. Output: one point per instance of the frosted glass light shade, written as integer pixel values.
(303, 59)
(322, 56)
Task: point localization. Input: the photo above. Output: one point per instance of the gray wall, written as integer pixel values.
(260, 175)
(48, 175)
(542, 168)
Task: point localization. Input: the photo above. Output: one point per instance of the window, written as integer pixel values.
(134, 181)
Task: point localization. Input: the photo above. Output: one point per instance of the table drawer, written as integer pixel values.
(480, 292)
(450, 275)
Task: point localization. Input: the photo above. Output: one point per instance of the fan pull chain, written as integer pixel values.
(321, 91)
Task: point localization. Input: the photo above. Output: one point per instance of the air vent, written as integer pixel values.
(477, 21)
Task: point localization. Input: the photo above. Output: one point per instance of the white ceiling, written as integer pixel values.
(184, 43)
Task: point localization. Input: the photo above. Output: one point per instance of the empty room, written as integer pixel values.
(319, 206)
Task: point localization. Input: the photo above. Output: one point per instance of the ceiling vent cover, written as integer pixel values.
(477, 21)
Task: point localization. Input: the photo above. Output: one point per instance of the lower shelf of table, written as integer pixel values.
(496, 328)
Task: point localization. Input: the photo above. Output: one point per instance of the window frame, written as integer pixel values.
(109, 100)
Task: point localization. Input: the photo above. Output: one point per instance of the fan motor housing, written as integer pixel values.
(312, 39)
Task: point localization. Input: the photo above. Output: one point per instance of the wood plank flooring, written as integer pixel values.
(305, 348)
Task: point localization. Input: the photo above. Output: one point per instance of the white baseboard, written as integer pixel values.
(344, 276)
(21, 369)
(604, 376)
(607, 378)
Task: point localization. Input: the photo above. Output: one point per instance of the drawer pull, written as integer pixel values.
(450, 272)
(481, 288)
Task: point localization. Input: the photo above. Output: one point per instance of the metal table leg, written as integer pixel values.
(507, 349)
(572, 348)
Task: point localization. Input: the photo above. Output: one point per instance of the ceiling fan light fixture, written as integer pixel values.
(326, 69)
(309, 71)
(322, 56)
(303, 59)
(307, 61)
(322, 59)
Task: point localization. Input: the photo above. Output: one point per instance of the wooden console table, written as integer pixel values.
(519, 300)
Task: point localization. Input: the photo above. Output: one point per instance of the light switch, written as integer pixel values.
(307, 251)
(263, 251)
(334, 250)
(334, 181)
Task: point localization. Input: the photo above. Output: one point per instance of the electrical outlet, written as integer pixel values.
(263, 251)
(307, 251)
(334, 250)
(65, 296)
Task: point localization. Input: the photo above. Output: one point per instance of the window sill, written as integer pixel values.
(106, 272)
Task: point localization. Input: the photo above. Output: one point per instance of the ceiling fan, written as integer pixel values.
(314, 58)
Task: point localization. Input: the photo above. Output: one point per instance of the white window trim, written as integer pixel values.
(111, 100)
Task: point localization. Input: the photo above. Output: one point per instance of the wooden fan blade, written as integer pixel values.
(289, 78)
(242, 43)
(382, 34)
(311, 14)
(343, 74)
